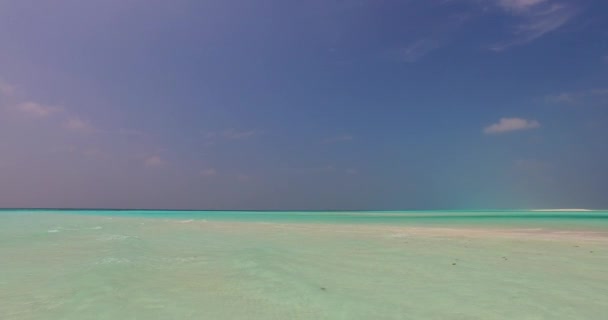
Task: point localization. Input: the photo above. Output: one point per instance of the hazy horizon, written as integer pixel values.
(312, 210)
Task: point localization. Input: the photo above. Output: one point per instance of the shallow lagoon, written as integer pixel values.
(281, 265)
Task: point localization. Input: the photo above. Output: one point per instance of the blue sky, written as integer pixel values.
(446, 104)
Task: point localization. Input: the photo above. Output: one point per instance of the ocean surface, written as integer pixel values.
(112, 264)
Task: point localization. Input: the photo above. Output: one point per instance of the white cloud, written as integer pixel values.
(37, 109)
(131, 132)
(230, 134)
(310, 170)
(546, 21)
(233, 134)
(600, 92)
(70, 122)
(243, 177)
(93, 152)
(324, 170)
(519, 5)
(511, 124)
(417, 43)
(417, 50)
(6, 89)
(595, 97)
(77, 124)
(340, 138)
(154, 161)
(564, 97)
(213, 137)
(352, 171)
(208, 172)
(536, 19)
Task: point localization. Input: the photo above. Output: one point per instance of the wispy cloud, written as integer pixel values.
(233, 134)
(40, 110)
(154, 161)
(6, 89)
(70, 120)
(600, 92)
(131, 132)
(328, 169)
(214, 137)
(243, 177)
(338, 139)
(448, 17)
(208, 172)
(47, 124)
(535, 18)
(526, 21)
(519, 5)
(593, 97)
(352, 171)
(564, 97)
(78, 125)
(416, 50)
(37, 109)
(93, 152)
(230, 134)
(505, 125)
(310, 170)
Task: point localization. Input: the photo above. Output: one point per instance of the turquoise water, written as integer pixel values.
(75, 264)
(554, 219)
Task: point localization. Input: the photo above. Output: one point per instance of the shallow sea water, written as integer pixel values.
(209, 265)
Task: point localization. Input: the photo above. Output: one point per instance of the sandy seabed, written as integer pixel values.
(94, 267)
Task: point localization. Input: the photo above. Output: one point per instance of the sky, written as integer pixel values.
(309, 105)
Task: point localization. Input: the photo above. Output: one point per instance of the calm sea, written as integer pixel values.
(109, 264)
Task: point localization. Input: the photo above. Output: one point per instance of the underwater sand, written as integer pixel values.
(103, 265)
